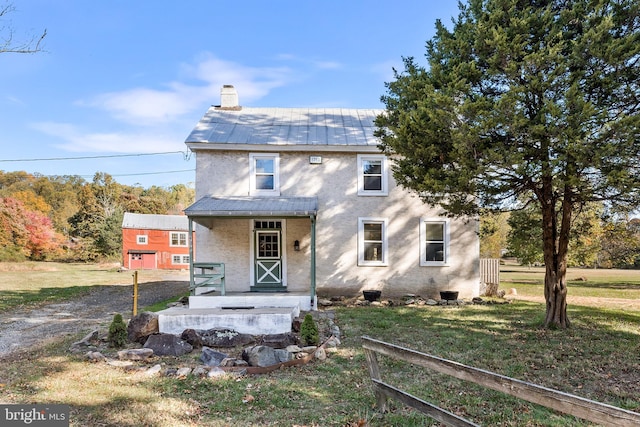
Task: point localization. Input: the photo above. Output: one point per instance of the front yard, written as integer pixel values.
(597, 358)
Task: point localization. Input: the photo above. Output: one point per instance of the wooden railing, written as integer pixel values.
(207, 275)
(563, 402)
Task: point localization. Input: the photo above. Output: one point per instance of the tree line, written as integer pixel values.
(598, 238)
(66, 218)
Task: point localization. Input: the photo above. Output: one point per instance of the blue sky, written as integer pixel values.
(123, 80)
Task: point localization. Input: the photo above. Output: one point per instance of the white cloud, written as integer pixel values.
(77, 140)
(148, 106)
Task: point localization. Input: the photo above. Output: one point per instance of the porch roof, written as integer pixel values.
(253, 207)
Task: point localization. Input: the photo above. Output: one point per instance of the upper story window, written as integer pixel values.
(372, 241)
(372, 175)
(264, 170)
(142, 239)
(178, 239)
(434, 242)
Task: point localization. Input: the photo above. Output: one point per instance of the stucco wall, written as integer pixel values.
(334, 182)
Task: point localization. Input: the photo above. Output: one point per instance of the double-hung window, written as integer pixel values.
(434, 242)
(177, 259)
(264, 172)
(372, 242)
(178, 239)
(373, 175)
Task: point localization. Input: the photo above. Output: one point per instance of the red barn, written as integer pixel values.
(155, 241)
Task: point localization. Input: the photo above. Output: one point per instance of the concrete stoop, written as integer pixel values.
(254, 321)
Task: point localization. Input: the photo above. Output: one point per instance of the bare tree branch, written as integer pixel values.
(7, 43)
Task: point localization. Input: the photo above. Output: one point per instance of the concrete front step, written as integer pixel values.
(255, 321)
(250, 299)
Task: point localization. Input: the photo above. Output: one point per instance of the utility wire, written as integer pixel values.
(139, 174)
(186, 156)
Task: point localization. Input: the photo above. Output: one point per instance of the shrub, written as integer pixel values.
(117, 332)
(309, 331)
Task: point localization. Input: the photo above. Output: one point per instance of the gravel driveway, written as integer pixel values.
(24, 328)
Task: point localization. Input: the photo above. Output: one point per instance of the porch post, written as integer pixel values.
(313, 261)
(191, 283)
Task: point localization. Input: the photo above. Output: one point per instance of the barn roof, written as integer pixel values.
(155, 222)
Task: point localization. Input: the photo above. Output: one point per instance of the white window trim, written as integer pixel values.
(385, 175)
(142, 239)
(178, 245)
(184, 259)
(385, 242)
(253, 191)
(423, 240)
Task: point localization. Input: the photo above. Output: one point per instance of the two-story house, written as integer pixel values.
(155, 242)
(302, 200)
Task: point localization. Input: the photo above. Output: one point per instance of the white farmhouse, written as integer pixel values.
(301, 201)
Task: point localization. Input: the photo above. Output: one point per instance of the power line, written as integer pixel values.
(185, 154)
(140, 174)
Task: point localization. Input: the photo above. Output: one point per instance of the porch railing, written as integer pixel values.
(207, 275)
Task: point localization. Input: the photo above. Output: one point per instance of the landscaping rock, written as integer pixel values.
(141, 326)
(283, 355)
(279, 340)
(320, 354)
(154, 370)
(88, 340)
(192, 337)
(183, 372)
(216, 372)
(260, 355)
(167, 345)
(200, 371)
(211, 357)
(135, 354)
(294, 349)
(95, 356)
(325, 302)
(221, 337)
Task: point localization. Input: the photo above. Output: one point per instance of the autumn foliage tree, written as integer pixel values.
(25, 234)
(523, 102)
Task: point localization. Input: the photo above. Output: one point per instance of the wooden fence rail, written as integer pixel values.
(563, 402)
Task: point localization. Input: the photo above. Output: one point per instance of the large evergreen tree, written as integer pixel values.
(523, 101)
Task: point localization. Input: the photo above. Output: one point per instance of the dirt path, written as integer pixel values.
(23, 328)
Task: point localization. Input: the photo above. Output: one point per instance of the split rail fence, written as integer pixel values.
(563, 402)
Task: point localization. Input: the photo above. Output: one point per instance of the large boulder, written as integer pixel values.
(167, 345)
(141, 326)
(260, 355)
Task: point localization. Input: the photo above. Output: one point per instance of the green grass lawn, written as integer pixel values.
(33, 283)
(597, 358)
(599, 283)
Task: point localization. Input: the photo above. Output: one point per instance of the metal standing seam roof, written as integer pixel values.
(155, 222)
(253, 206)
(287, 126)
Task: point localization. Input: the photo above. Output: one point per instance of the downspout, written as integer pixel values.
(191, 282)
(313, 262)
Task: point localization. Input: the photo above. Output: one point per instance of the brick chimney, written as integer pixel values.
(229, 98)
